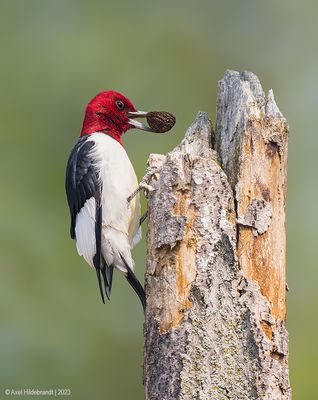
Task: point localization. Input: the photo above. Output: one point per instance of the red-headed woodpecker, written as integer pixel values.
(99, 180)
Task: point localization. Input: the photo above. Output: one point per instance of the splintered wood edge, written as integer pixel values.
(251, 141)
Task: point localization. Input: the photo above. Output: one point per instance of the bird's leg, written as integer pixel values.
(143, 217)
(144, 184)
(134, 194)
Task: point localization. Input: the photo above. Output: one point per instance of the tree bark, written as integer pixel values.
(215, 279)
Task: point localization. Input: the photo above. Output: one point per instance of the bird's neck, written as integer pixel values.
(100, 123)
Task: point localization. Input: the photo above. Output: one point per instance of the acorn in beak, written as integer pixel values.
(158, 121)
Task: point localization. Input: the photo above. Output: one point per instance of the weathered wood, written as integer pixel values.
(215, 327)
(251, 139)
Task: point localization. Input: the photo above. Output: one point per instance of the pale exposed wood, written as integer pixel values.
(251, 139)
(211, 331)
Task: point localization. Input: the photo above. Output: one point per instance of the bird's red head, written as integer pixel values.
(110, 112)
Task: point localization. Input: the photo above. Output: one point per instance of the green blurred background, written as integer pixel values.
(55, 56)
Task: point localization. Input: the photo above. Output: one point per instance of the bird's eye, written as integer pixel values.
(120, 105)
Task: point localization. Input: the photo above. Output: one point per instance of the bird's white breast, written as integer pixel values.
(118, 180)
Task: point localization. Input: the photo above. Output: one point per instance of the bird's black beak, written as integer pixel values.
(137, 124)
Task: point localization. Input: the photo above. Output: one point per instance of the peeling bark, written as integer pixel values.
(215, 328)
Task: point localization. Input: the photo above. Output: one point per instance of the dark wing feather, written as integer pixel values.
(82, 181)
(81, 184)
(98, 260)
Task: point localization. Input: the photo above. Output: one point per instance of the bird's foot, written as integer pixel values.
(144, 185)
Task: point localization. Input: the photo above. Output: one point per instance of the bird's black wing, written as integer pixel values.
(81, 184)
(82, 181)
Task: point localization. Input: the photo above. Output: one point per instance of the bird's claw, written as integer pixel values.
(146, 187)
(145, 183)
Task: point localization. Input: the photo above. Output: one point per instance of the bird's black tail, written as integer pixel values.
(100, 284)
(136, 285)
(107, 272)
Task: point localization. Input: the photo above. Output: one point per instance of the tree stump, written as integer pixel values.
(215, 279)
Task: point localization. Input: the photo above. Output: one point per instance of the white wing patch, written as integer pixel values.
(85, 231)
